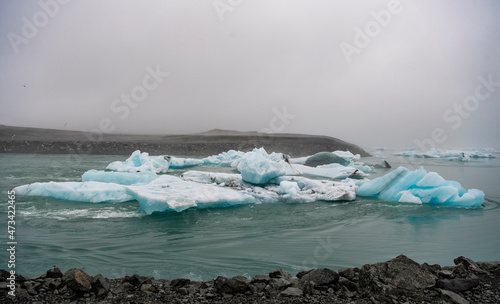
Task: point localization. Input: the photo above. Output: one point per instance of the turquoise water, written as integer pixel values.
(117, 239)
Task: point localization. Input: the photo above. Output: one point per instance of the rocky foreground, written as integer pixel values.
(400, 280)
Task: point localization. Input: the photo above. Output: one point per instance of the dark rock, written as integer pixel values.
(100, 286)
(435, 268)
(136, 279)
(260, 279)
(446, 274)
(292, 292)
(453, 297)
(99, 282)
(54, 273)
(52, 284)
(77, 280)
(470, 265)
(324, 158)
(322, 276)
(231, 286)
(278, 273)
(397, 276)
(179, 283)
(351, 286)
(124, 287)
(458, 285)
(349, 273)
(303, 273)
(279, 284)
(30, 287)
(4, 275)
(489, 266)
(148, 288)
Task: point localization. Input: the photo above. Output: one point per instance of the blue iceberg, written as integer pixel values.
(88, 192)
(121, 178)
(140, 162)
(420, 186)
(258, 167)
(170, 193)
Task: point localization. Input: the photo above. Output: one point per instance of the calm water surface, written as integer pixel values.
(117, 239)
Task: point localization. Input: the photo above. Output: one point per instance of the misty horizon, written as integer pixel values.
(374, 73)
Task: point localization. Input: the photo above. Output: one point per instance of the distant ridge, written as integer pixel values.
(37, 140)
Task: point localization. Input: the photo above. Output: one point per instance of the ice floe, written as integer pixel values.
(420, 186)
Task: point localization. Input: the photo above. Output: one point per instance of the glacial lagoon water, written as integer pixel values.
(118, 239)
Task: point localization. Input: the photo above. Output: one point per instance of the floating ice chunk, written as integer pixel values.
(170, 193)
(403, 185)
(223, 159)
(324, 158)
(88, 192)
(275, 190)
(178, 163)
(257, 167)
(140, 162)
(347, 155)
(431, 179)
(226, 179)
(407, 197)
(338, 155)
(330, 171)
(288, 187)
(122, 178)
(409, 154)
(318, 190)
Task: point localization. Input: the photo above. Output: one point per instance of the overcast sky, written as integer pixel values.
(375, 73)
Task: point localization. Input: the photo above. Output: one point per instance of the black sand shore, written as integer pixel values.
(400, 280)
(47, 141)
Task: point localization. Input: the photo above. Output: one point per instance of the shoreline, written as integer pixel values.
(45, 141)
(400, 280)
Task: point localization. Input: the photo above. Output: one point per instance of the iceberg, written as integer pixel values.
(324, 158)
(179, 163)
(292, 189)
(140, 162)
(463, 155)
(310, 190)
(170, 193)
(88, 192)
(331, 171)
(258, 167)
(121, 178)
(223, 159)
(420, 186)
